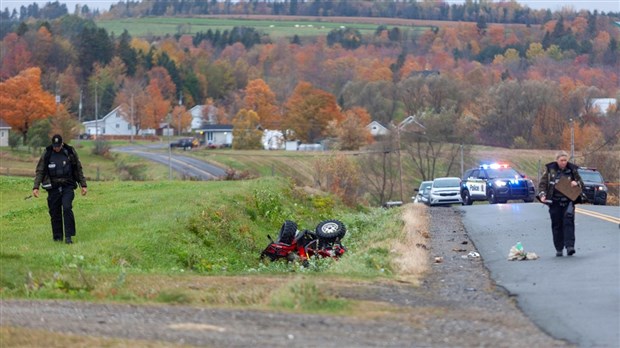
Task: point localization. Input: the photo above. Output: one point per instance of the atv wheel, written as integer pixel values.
(287, 232)
(330, 229)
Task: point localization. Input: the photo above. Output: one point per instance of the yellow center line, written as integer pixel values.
(598, 215)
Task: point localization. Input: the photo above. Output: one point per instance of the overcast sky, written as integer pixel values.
(601, 5)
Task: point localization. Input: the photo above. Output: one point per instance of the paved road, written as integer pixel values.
(574, 298)
(187, 166)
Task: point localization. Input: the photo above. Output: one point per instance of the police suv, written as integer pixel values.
(497, 183)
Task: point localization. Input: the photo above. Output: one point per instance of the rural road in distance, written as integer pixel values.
(185, 165)
(575, 298)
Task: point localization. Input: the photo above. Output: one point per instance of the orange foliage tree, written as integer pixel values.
(156, 109)
(23, 100)
(308, 112)
(260, 98)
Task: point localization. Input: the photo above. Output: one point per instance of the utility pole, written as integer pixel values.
(168, 120)
(96, 111)
(131, 127)
(180, 103)
(80, 114)
(400, 165)
(462, 171)
(572, 140)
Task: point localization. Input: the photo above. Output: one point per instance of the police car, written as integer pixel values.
(595, 188)
(497, 183)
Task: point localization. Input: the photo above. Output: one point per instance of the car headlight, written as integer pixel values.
(499, 183)
(602, 188)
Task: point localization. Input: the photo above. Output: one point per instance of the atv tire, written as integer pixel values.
(287, 232)
(330, 230)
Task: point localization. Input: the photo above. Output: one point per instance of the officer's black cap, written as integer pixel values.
(57, 140)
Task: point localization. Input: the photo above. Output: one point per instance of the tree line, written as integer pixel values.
(481, 11)
(510, 86)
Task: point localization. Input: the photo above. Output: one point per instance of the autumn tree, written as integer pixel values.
(380, 170)
(65, 124)
(246, 134)
(339, 175)
(23, 100)
(156, 107)
(181, 118)
(164, 82)
(15, 56)
(308, 112)
(352, 132)
(260, 99)
(132, 99)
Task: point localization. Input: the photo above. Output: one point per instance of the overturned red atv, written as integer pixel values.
(293, 244)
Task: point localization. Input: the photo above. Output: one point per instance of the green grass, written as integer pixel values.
(161, 26)
(170, 228)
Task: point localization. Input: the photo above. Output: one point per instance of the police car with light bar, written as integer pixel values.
(496, 183)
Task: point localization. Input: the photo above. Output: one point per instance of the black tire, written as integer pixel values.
(492, 198)
(331, 229)
(467, 198)
(287, 232)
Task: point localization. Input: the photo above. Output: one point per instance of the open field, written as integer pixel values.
(137, 241)
(301, 167)
(274, 26)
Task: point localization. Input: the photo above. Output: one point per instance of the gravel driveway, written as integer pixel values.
(457, 305)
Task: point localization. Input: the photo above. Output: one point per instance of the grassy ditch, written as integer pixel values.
(186, 242)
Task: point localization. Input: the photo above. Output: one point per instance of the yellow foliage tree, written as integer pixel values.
(246, 134)
(23, 100)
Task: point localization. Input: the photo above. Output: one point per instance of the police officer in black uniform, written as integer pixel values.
(59, 171)
(561, 208)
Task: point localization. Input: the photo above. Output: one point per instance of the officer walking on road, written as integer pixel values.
(561, 208)
(59, 171)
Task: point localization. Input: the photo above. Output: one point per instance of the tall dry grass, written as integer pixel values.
(413, 246)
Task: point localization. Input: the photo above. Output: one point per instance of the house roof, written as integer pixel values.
(103, 118)
(603, 104)
(217, 127)
(410, 121)
(3, 124)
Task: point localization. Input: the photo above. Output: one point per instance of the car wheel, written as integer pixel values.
(492, 198)
(287, 232)
(467, 198)
(330, 229)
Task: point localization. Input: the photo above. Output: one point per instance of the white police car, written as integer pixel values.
(497, 183)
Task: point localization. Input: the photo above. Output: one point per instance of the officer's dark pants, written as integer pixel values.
(562, 224)
(60, 203)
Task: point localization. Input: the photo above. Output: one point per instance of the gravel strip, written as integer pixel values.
(457, 305)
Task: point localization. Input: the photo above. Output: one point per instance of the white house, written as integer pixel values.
(376, 129)
(602, 105)
(199, 118)
(4, 133)
(216, 134)
(111, 124)
(114, 124)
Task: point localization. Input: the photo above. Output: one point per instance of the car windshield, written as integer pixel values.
(591, 176)
(425, 185)
(502, 173)
(446, 183)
